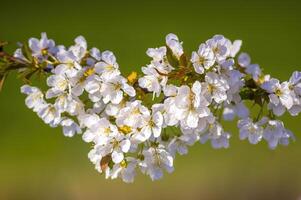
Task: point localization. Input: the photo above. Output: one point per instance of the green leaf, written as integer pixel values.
(27, 52)
(246, 93)
(173, 61)
(183, 60)
(250, 83)
(27, 74)
(2, 44)
(2, 79)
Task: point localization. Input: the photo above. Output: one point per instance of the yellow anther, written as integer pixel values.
(107, 131)
(125, 129)
(261, 79)
(123, 164)
(89, 72)
(278, 92)
(132, 77)
(136, 111)
(109, 67)
(211, 88)
(201, 60)
(151, 123)
(117, 86)
(44, 52)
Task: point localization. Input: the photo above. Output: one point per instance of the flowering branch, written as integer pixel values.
(131, 121)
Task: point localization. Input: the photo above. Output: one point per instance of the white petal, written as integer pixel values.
(274, 99)
(156, 131)
(125, 145)
(235, 47)
(242, 110)
(198, 68)
(295, 78)
(192, 119)
(158, 118)
(229, 113)
(117, 157)
(129, 90)
(278, 110)
(88, 136)
(117, 97)
(286, 100)
(196, 87)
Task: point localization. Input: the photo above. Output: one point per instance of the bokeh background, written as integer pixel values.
(38, 162)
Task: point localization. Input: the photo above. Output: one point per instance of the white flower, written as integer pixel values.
(98, 108)
(155, 160)
(160, 62)
(169, 111)
(70, 59)
(122, 146)
(63, 102)
(191, 104)
(249, 129)
(69, 64)
(234, 49)
(172, 41)
(95, 157)
(153, 127)
(58, 83)
(296, 108)
(117, 144)
(232, 110)
(126, 169)
(95, 53)
(19, 55)
(79, 81)
(113, 89)
(254, 70)
(41, 48)
(35, 98)
(113, 109)
(93, 86)
(114, 145)
(151, 80)
(74, 106)
(279, 93)
(61, 89)
(50, 115)
(79, 49)
(278, 109)
(99, 129)
(295, 87)
(295, 83)
(244, 60)
(220, 46)
(107, 67)
(275, 134)
(157, 54)
(180, 144)
(217, 136)
(235, 81)
(215, 87)
(70, 128)
(132, 115)
(203, 59)
(222, 141)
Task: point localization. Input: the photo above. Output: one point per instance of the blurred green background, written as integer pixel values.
(38, 162)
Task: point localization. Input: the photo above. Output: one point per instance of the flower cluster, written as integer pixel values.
(142, 122)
